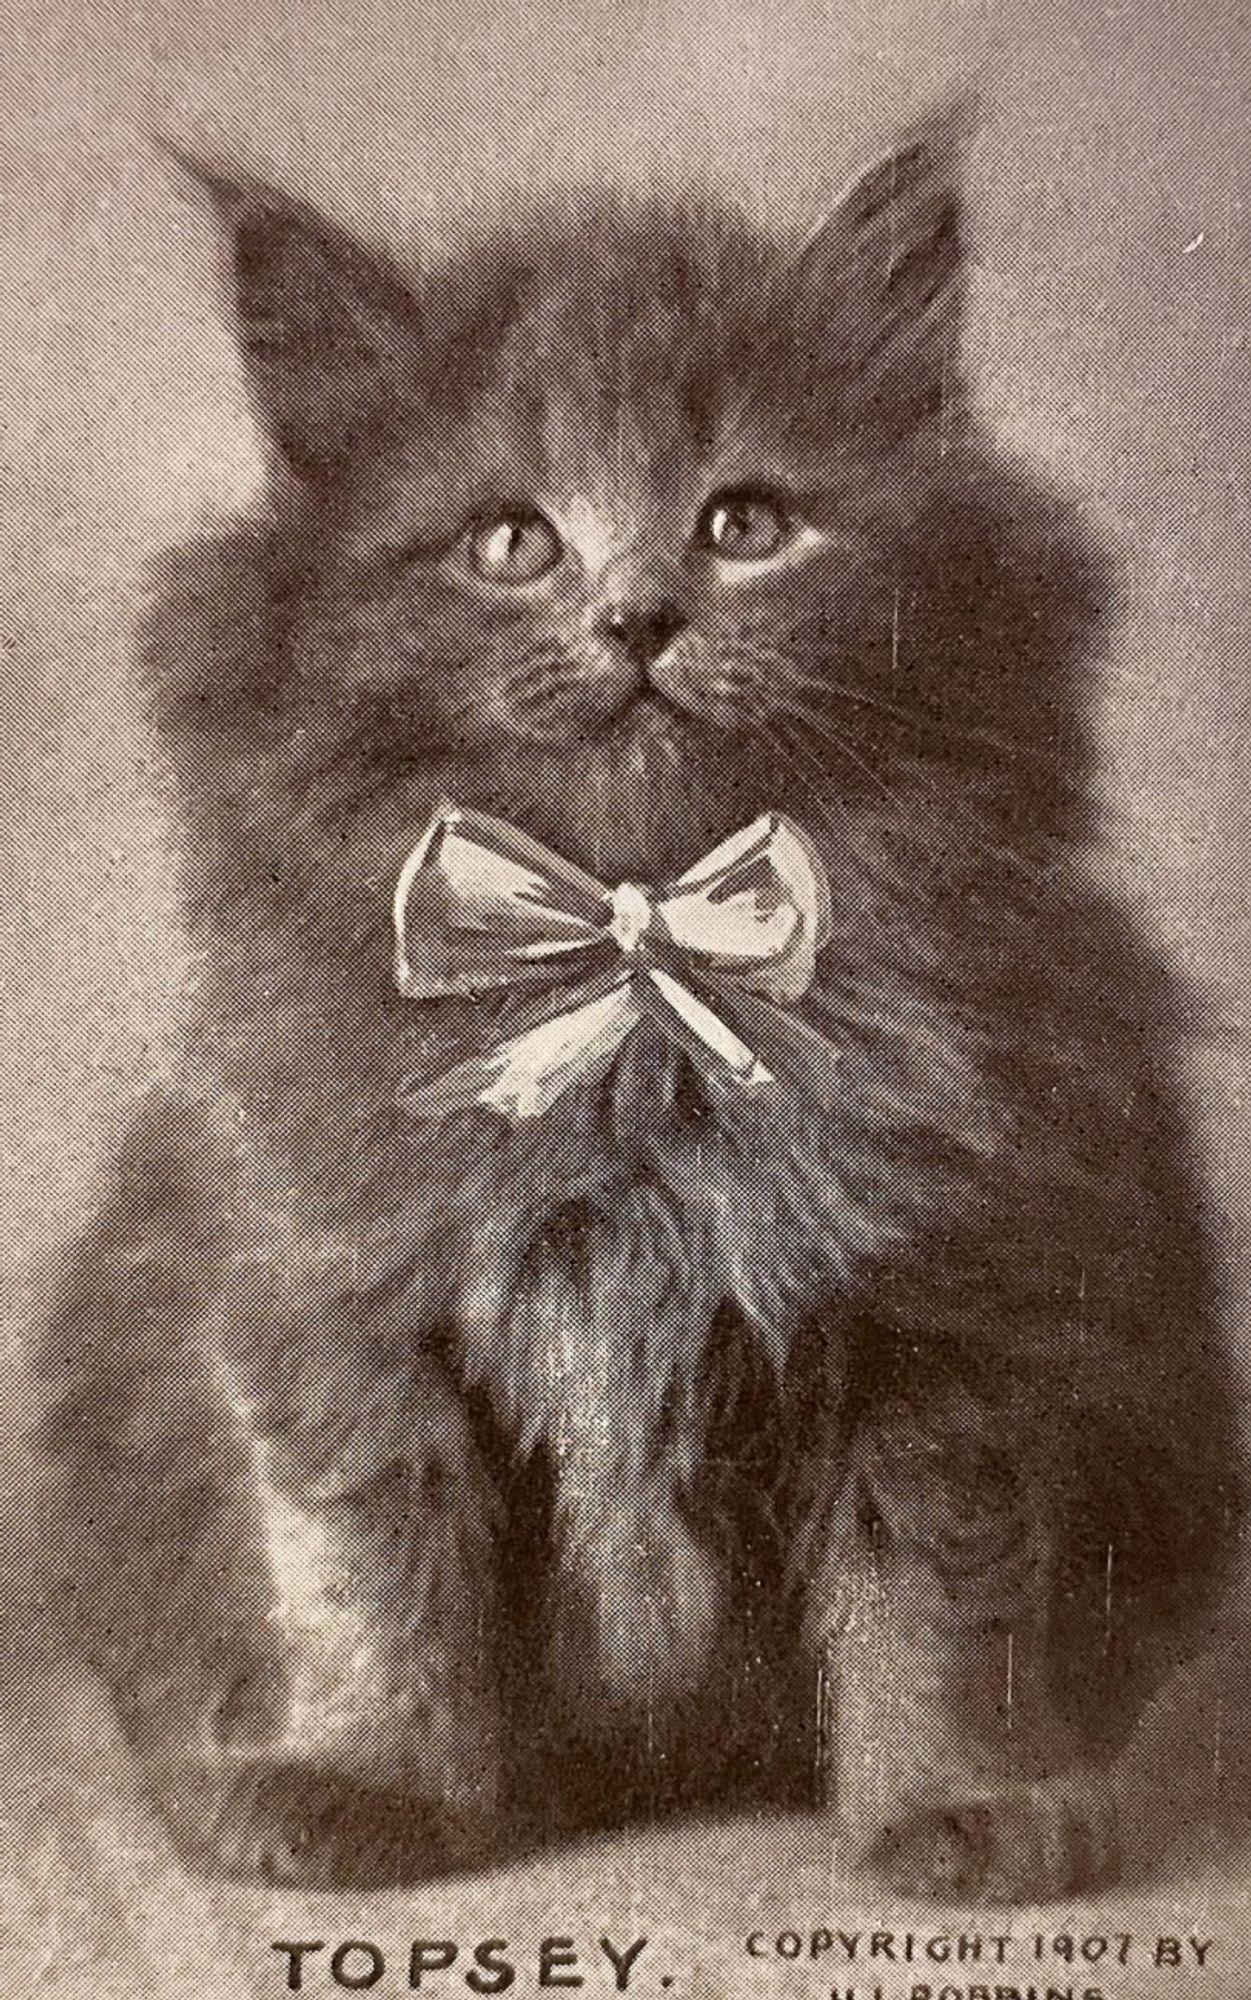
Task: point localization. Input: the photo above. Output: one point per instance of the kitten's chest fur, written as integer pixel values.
(599, 1288)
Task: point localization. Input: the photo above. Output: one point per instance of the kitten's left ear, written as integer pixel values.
(878, 287)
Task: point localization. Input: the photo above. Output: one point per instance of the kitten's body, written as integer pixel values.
(869, 1400)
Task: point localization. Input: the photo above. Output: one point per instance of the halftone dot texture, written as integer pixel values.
(1107, 336)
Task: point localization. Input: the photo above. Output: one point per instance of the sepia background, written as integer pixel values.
(1111, 340)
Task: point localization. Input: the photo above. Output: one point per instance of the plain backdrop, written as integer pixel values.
(1109, 339)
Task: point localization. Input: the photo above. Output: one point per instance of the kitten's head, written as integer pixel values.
(621, 493)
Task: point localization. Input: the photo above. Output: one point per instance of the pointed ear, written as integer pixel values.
(329, 332)
(879, 284)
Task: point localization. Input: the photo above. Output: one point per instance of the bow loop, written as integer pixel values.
(757, 906)
(480, 907)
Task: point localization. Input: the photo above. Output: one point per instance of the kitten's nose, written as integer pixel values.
(642, 631)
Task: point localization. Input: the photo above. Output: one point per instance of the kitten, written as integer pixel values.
(438, 1485)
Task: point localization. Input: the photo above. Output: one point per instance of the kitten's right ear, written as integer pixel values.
(329, 332)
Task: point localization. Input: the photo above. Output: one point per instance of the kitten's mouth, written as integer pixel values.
(649, 709)
(651, 702)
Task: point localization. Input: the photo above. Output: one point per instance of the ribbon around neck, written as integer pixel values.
(718, 958)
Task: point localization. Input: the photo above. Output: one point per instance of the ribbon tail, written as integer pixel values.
(775, 1048)
(807, 1062)
(689, 1020)
(524, 1076)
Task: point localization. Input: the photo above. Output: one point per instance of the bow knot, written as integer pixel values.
(719, 957)
(631, 916)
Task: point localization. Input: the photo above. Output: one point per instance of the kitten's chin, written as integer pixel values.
(649, 796)
(653, 722)
(637, 797)
(646, 746)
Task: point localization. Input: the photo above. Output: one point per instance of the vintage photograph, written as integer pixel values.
(627, 1286)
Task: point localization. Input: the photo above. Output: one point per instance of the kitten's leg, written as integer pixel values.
(929, 1619)
(308, 1681)
(638, 1598)
(300, 1648)
(386, 1762)
(637, 1595)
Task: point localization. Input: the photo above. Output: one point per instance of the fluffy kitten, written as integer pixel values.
(437, 1486)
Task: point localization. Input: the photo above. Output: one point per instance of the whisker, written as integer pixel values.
(911, 719)
(791, 710)
(824, 794)
(531, 674)
(844, 748)
(789, 750)
(921, 791)
(922, 782)
(986, 739)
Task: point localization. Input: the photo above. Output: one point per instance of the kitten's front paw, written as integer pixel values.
(1025, 1846)
(308, 1826)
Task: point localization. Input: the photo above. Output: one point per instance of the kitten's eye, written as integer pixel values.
(513, 548)
(745, 527)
